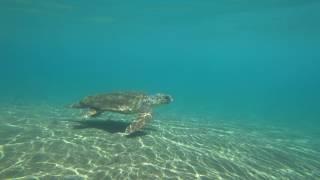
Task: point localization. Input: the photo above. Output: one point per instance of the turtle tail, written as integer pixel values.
(75, 105)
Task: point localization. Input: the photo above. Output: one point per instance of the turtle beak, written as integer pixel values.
(169, 99)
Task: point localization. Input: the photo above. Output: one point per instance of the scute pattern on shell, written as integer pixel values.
(125, 102)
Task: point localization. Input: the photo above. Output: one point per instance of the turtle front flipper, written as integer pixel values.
(93, 113)
(138, 123)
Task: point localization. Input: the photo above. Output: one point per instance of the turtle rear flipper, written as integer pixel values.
(138, 123)
(93, 113)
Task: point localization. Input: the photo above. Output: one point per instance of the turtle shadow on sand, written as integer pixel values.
(109, 125)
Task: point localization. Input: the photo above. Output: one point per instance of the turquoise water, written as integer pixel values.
(244, 76)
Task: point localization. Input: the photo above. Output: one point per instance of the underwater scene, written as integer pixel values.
(188, 90)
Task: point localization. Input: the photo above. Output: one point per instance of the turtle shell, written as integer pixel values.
(123, 102)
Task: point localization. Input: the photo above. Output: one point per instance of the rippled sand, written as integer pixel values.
(44, 141)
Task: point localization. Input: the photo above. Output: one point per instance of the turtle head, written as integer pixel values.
(161, 99)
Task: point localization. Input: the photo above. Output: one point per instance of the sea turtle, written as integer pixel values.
(124, 103)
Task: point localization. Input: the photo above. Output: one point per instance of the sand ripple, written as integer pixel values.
(41, 142)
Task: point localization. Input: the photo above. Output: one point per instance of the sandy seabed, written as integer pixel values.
(50, 142)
